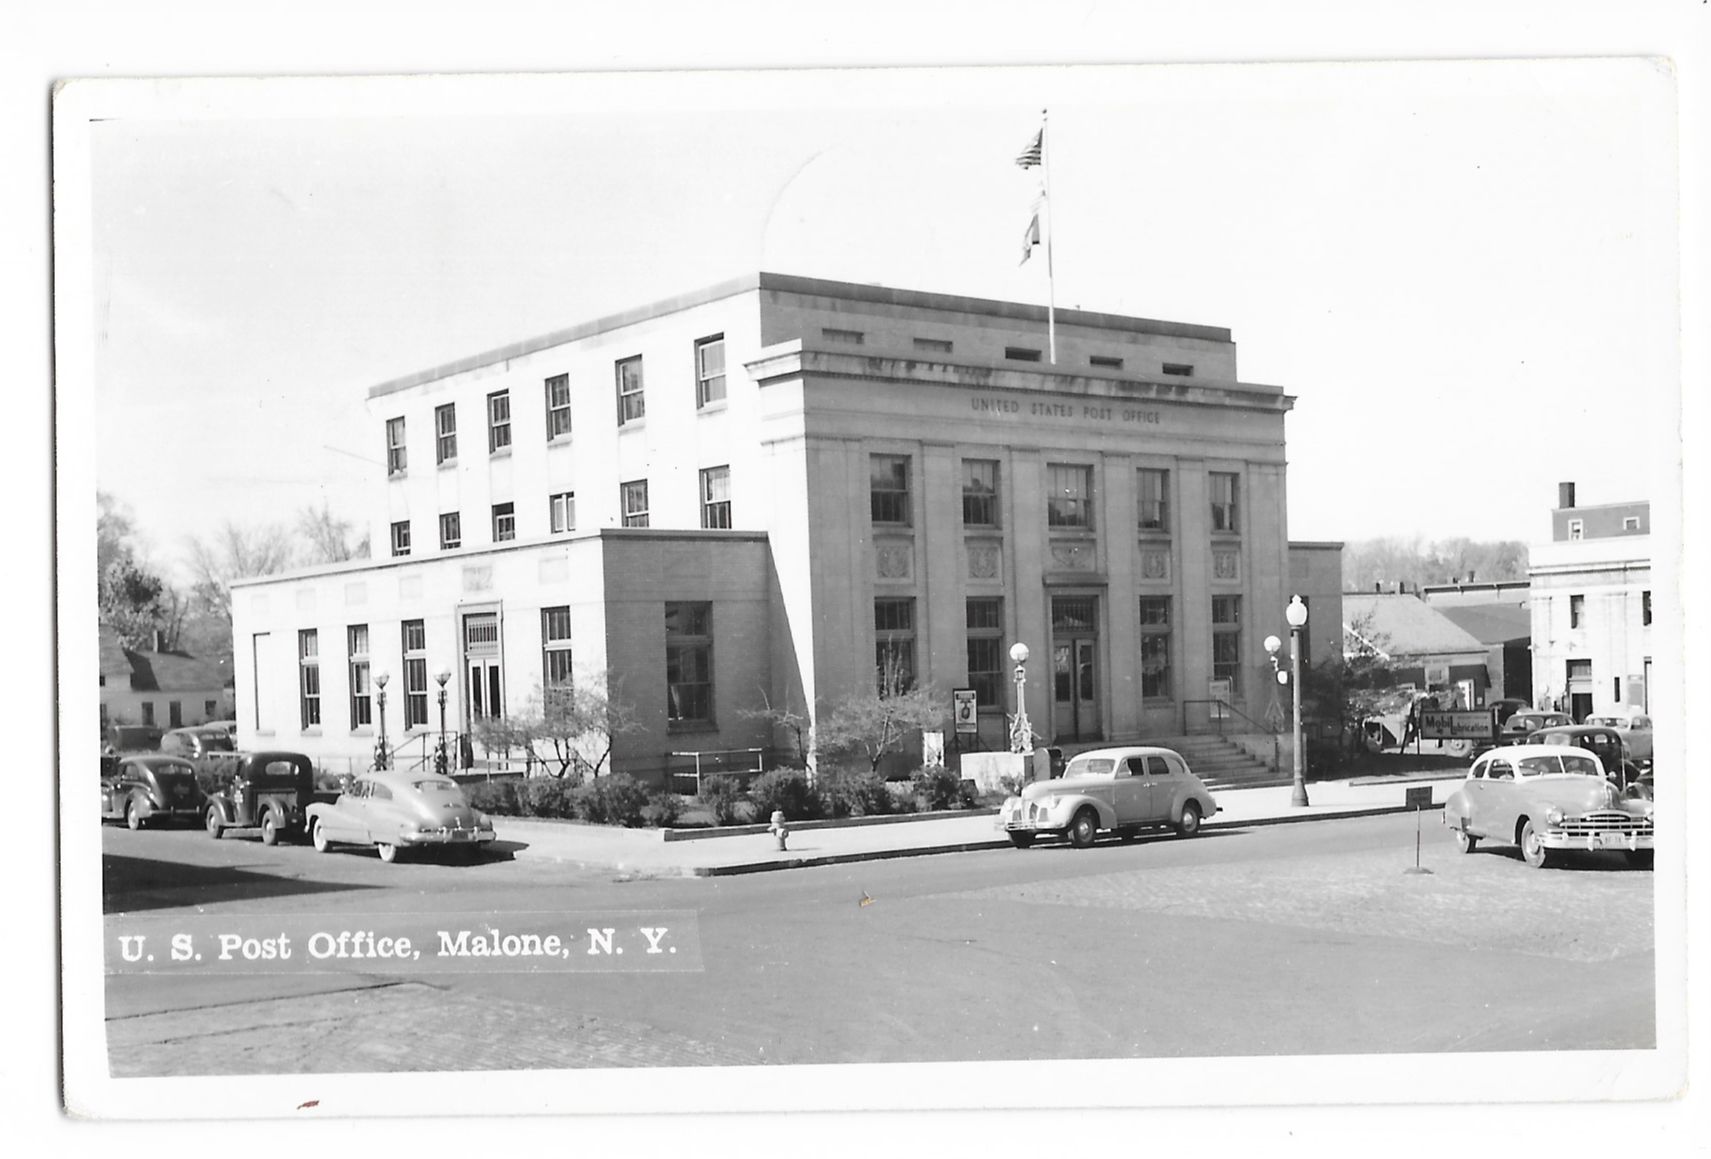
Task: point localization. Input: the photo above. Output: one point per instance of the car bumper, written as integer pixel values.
(446, 837)
(1602, 839)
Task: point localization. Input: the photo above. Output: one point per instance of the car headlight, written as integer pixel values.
(1553, 815)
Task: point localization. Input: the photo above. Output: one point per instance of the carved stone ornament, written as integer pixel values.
(1226, 565)
(477, 579)
(894, 560)
(1155, 565)
(1073, 556)
(983, 561)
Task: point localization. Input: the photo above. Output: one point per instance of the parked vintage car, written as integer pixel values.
(1636, 730)
(196, 742)
(1608, 745)
(131, 738)
(1546, 798)
(394, 810)
(261, 792)
(143, 788)
(1122, 789)
(1516, 727)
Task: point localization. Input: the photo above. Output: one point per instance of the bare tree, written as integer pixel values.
(880, 719)
(568, 728)
(798, 724)
(235, 553)
(327, 538)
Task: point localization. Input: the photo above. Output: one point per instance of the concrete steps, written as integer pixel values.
(1221, 763)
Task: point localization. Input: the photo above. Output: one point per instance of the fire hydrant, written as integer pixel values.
(777, 828)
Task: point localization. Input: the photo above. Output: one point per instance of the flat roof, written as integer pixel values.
(810, 287)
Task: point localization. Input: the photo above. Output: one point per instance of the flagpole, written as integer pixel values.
(1051, 229)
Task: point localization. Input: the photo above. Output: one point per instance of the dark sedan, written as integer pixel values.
(141, 789)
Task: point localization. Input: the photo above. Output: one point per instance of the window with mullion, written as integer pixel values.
(451, 530)
(889, 489)
(555, 648)
(980, 493)
(498, 421)
(1225, 497)
(716, 497)
(1227, 640)
(894, 644)
(396, 459)
(631, 403)
(1069, 498)
(633, 502)
(445, 433)
(1155, 647)
(362, 701)
(710, 370)
(563, 512)
(309, 677)
(985, 626)
(415, 640)
(1152, 487)
(689, 663)
(504, 522)
(558, 406)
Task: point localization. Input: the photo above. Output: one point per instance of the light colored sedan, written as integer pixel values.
(394, 810)
(1546, 798)
(1636, 730)
(1121, 789)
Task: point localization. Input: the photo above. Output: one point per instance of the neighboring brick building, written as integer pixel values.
(754, 492)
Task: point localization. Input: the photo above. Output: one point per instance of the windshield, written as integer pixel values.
(1090, 767)
(1545, 766)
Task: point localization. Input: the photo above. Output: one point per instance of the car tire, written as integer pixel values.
(269, 828)
(1021, 840)
(1083, 828)
(1189, 825)
(133, 816)
(318, 837)
(1533, 850)
(388, 851)
(1639, 858)
(1465, 841)
(211, 821)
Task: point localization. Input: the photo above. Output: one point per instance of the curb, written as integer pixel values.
(748, 867)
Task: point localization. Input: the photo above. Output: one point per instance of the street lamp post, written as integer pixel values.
(440, 762)
(1296, 614)
(1021, 731)
(382, 756)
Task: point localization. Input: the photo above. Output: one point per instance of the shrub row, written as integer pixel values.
(618, 800)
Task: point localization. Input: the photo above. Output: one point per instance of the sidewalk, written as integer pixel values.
(707, 855)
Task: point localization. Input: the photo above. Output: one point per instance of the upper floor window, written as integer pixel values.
(848, 337)
(1225, 516)
(504, 522)
(888, 488)
(980, 493)
(558, 406)
(716, 497)
(451, 530)
(1576, 528)
(1645, 607)
(555, 647)
(633, 502)
(1105, 361)
(498, 421)
(709, 370)
(1021, 354)
(395, 457)
(1153, 487)
(1630, 523)
(1577, 611)
(933, 345)
(630, 403)
(1180, 369)
(563, 512)
(1069, 495)
(401, 537)
(445, 433)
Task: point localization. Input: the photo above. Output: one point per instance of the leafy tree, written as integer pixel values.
(569, 728)
(133, 598)
(880, 720)
(1347, 689)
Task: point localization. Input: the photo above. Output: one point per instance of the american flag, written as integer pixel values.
(1030, 156)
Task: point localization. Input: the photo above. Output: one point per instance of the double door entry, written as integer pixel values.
(1075, 668)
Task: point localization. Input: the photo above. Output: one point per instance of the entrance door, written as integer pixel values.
(1579, 689)
(1075, 651)
(483, 692)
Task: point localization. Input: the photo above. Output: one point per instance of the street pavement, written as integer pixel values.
(715, 852)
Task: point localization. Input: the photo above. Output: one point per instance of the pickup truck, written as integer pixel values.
(257, 792)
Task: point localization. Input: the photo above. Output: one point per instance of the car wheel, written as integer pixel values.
(269, 828)
(133, 818)
(388, 852)
(1639, 858)
(318, 837)
(212, 821)
(1021, 840)
(1465, 841)
(1190, 823)
(1083, 828)
(1533, 850)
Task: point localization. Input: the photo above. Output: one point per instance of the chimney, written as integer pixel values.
(1377, 588)
(1470, 574)
(1565, 495)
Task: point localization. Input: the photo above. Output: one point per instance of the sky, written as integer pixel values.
(1464, 272)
